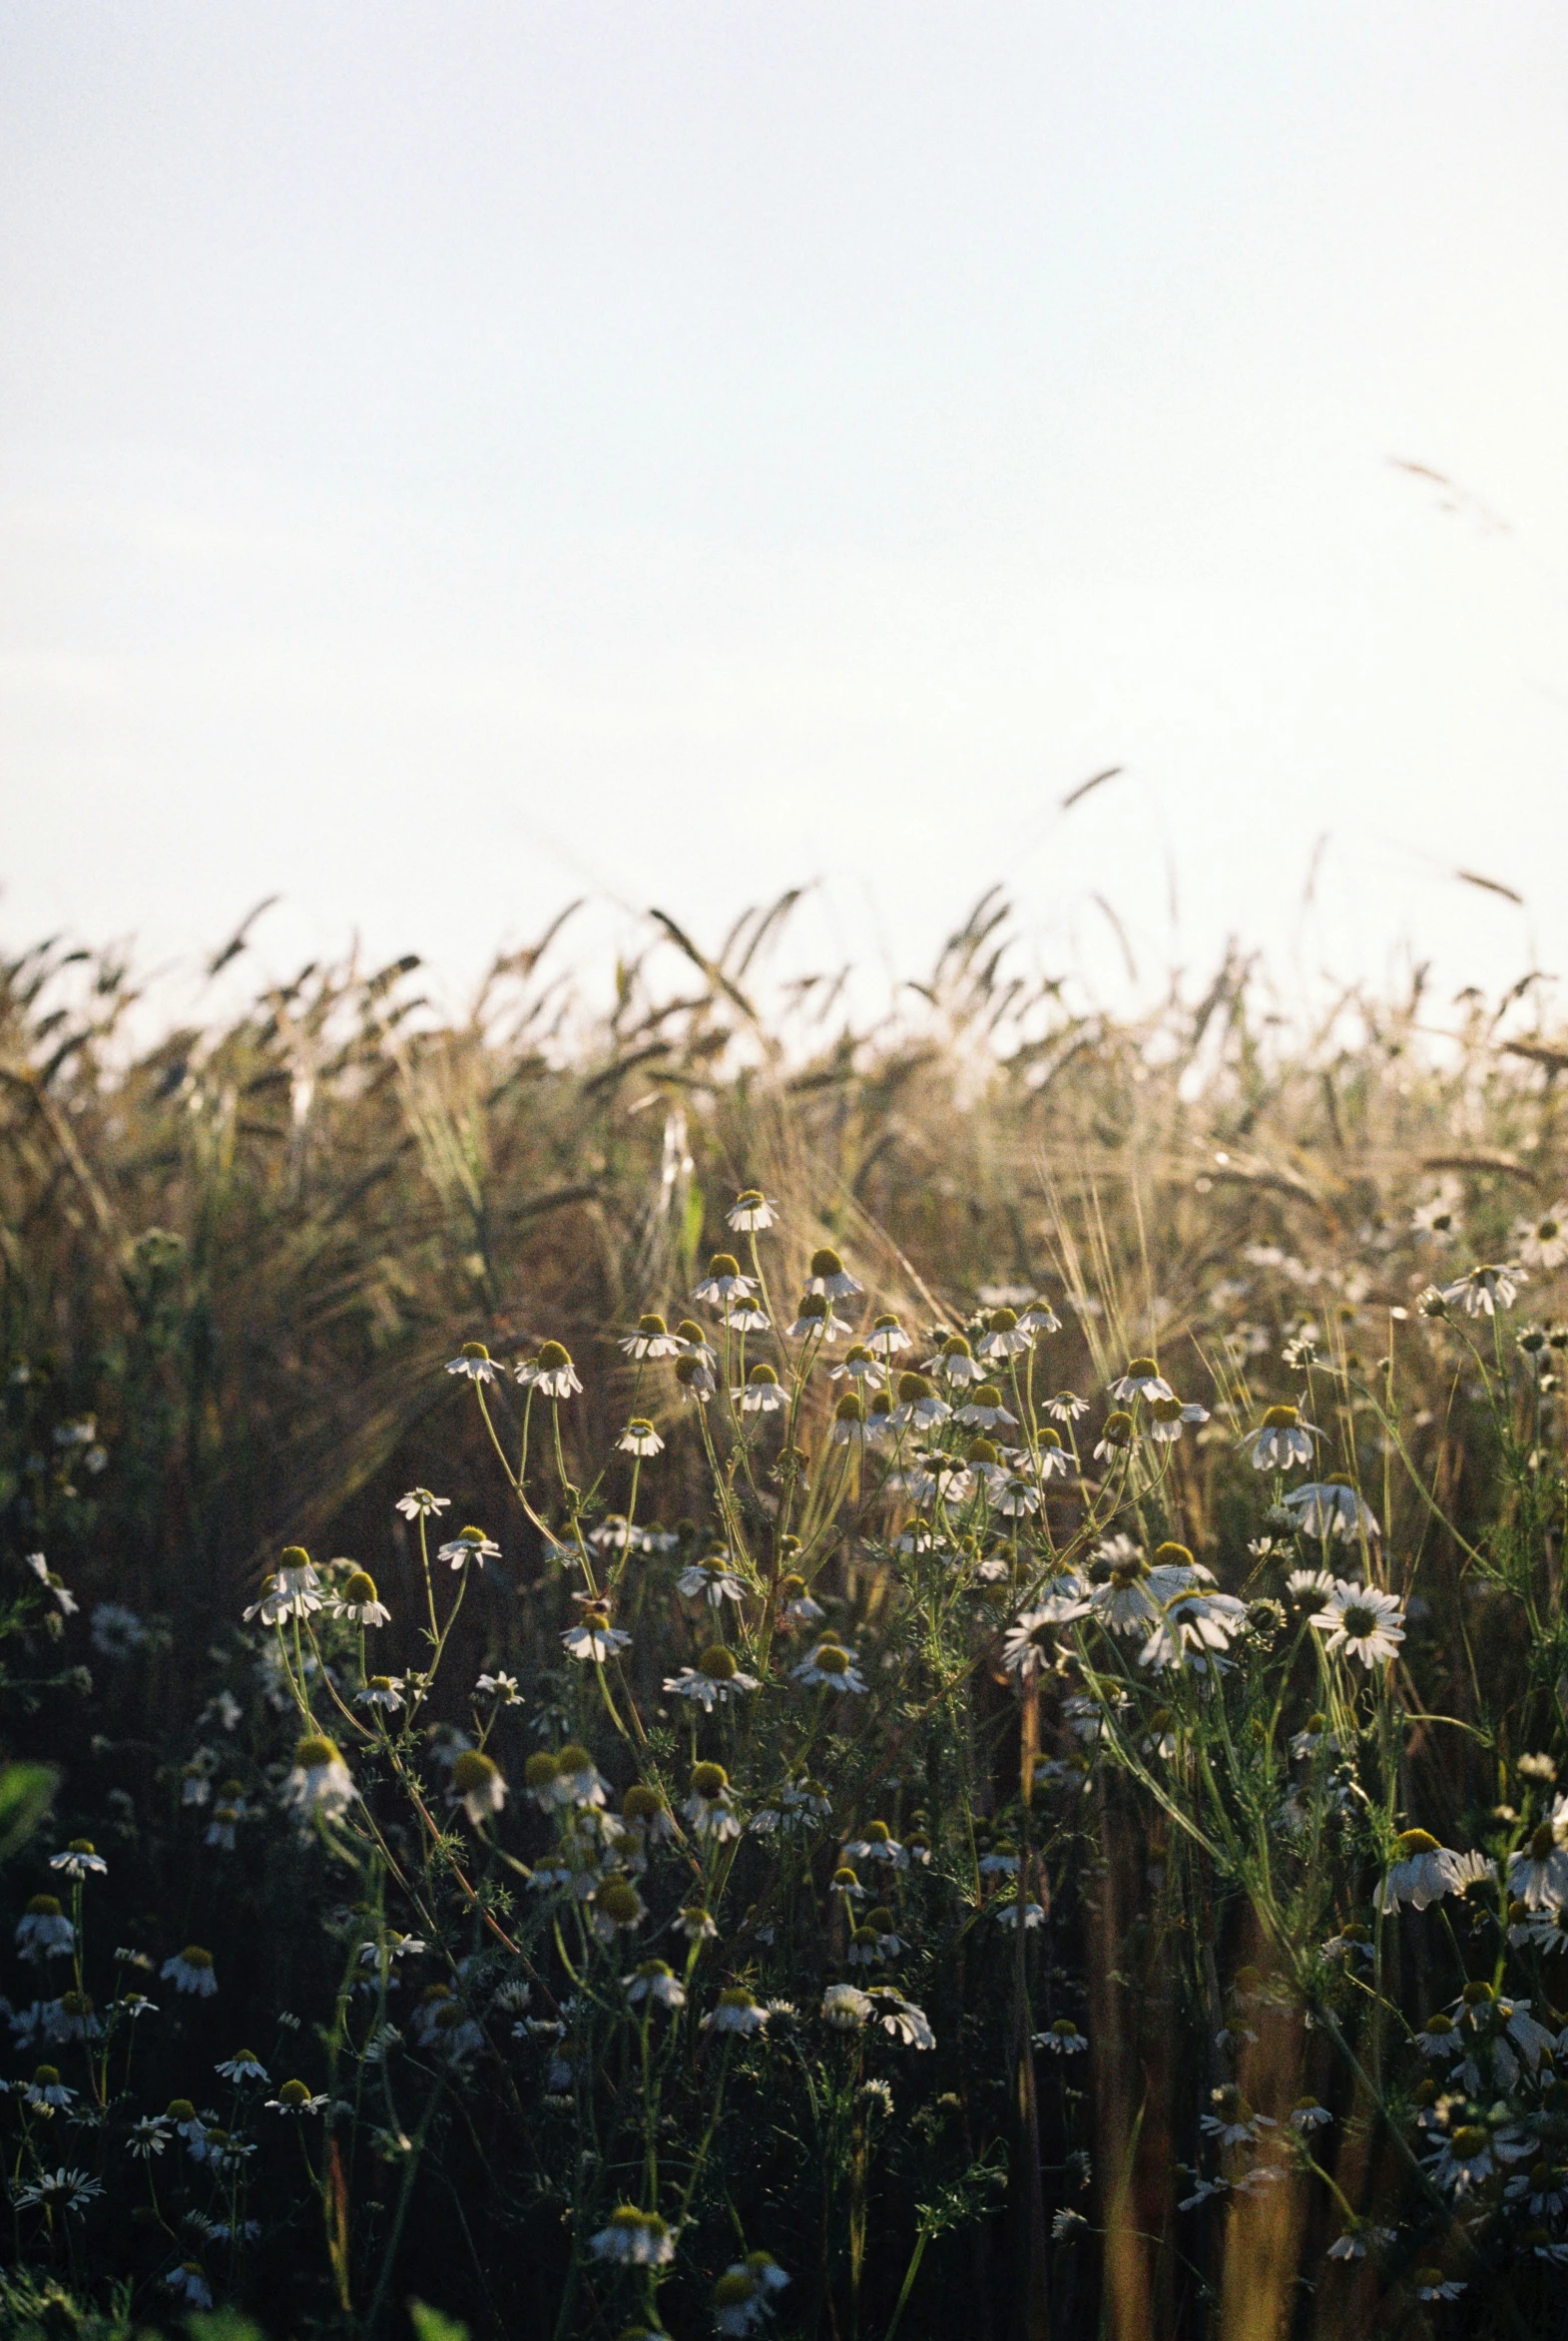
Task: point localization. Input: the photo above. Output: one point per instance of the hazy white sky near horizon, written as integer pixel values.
(450, 459)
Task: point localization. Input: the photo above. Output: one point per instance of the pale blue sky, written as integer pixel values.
(449, 457)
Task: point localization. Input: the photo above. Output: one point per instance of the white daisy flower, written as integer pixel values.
(1424, 1872)
(1361, 1620)
(796, 1607)
(707, 1810)
(652, 1338)
(848, 1420)
(478, 1784)
(421, 1505)
(829, 1276)
(984, 1409)
(956, 1363)
(1040, 1317)
(320, 1782)
(751, 1212)
(724, 1285)
(1439, 1214)
(1143, 1380)
(814, 1320)
(1005, 1337)
(712, 1581)
(1029, 1645)
(1485, 1289)
(469, 1545)
(1281, 1440)
(503, 1689)
(79, 1860)
(714, 1681)
(1062, 2038)
(474, 1363)
(735, 2011)
(862, 1366)
(360, 1602)
(695, 1378)
(886, 1337)
(656, 1983)
(918, 1406)
(190, 1971)
(47, 2091)
(640, 1437)
(829, 1667)
(846, 2008)
(1543, 1242)
(1332, 1507)
(594, 1640)
(380, 1690)
(552, 1373)
(296, 2097)
(43, 1931)
(909, 2024)
(1432, 2284)
(1538, 1873)
(762, 1392)
(633, 2239)
(243, 2068)
(1067, 1406)
(1169, 1417)
(189, 2283)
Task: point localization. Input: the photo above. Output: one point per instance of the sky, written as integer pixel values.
(453, 460)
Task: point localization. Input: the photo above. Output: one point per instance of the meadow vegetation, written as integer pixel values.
(673, 1669)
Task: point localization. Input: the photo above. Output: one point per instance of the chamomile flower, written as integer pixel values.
(795, 1607)
(190, 1971)
(956, 1363)
(1538, 1873)
(1464, 2159)
(886, 1337)
(473, 1362)
(814, 1320)
(984, 1409)
(1143, 1380)
(714, 1681)
(652, 1338)
(503, 1689)
(1424, 1872)
(830, 1276)
(360, 1602)
(616, 1908)
(594, 1640)
(1543, 1242)
(848, 1420)
(1233, 2121)
(469, 1545)
(1004, 1337)
(656, 1983)
(478, 1785)
(1485, 1289)
(862, 1366)
(551, 1374)
(735, 2011)
(296, 2098)
(1361, 1620)
(1307, 2115)
(707, 1810)
(640, 1437)
(1062, 2038)
(1439, 1214)
(846, 2008)
(1118, 1436)
(829, 1667)
(79, 1860)
(1067, 1407)
(695, 1923)
(741, 2298)
(762, 1392)
(1169, 1417)
(43, 1931)
(245, 2068)
(189, 2283)
(1281, 1440)
(1331, 1507)
(633, 2239)
(724, 1286)
(148, 2136)
(1432, 2284)
(695, 1378)
(320, 1782)
(47, 2092)
(909, 2024)
(918, 1406)
(751, 1212)
(382, 1690)
(877, 1844)
(1360, 2238)
(421, 1505)
(1029, 1645)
